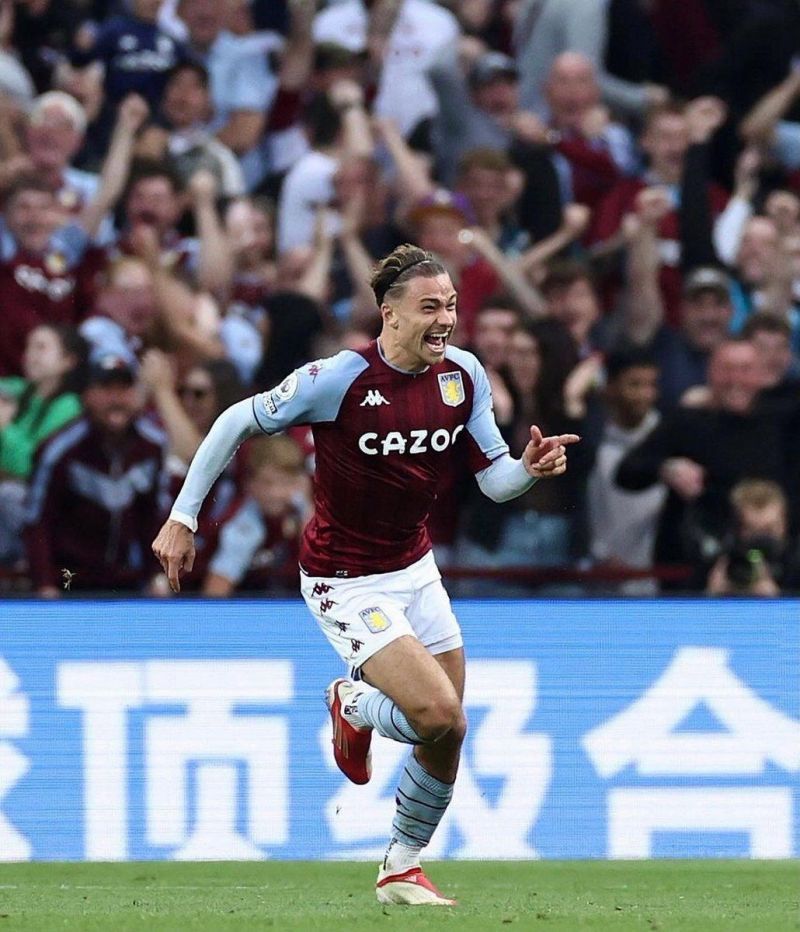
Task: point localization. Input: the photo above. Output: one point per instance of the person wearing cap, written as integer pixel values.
(94, 500)
(439, 222)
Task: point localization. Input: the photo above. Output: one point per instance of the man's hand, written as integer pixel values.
(174, 549)
(705, 115)
(685, 477)
(545, 457)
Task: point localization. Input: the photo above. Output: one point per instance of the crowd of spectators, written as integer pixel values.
(194, 191)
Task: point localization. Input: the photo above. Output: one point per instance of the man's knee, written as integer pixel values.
(439, 718)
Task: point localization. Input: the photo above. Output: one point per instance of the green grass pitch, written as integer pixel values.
(554, 896)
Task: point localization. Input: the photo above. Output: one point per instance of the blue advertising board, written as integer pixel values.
(196, 730)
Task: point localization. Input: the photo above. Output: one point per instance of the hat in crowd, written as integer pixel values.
(490, 66)
(443, 201)
(706, 278)
(110, 370)
(331, 55)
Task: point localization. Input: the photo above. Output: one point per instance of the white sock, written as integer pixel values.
(400, 857)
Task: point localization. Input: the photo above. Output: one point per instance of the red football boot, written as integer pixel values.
(350, 744)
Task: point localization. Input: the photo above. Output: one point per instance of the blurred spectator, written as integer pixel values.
(242, 85)
(184, 138)
(102, 474)
(759, 556)
(547, 28)
(125, 311)
(32, 407)
(486, 177)
(47, 269)
(186, 408)
(258, 545)
(771, 336)
(540, 527)
(571, 299)
(764, 124)
(153, 205)
(665, 140)
(402, 39)
(700, 453)
(135, 52)
(622, 524)
(53, 135)
(705, 313)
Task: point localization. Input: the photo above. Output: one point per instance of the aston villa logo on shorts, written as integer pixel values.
(451, 388)
(375, 619)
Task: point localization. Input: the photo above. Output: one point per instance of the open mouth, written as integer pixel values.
(437, 341)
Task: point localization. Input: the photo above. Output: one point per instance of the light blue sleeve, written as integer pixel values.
(481, 425)
(786, 145)
(311, 394)
(239, 541)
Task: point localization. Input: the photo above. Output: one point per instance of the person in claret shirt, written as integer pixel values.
(47, 268)
(390, 422)
(258, 544)
(665, 140)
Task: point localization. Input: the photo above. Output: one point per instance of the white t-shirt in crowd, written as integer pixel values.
(307, 185)
(420, 34)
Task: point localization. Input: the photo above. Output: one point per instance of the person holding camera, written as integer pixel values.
(760, 557)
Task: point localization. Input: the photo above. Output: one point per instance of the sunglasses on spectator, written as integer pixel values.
(192, 391)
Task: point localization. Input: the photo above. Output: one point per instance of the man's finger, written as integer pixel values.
(189, 562)
(564, 439)
(173, 572)
(551, 455)
(536, 435)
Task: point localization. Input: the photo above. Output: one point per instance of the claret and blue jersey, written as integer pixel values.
(384, 438)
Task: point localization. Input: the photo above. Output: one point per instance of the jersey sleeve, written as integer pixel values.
(311, 394)
(484, 441)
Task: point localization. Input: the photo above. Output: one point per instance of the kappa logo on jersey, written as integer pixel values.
(418, 441)
(314, 370)
(375, 619)
(373, 399)
(321, 588)
(451, 388)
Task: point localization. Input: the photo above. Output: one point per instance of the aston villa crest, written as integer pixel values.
(451, 388)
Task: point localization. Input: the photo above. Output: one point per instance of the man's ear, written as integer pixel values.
(389, 316)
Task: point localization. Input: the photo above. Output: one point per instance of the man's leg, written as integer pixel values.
(418, 695)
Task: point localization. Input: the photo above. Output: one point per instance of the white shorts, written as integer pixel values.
(360, 616)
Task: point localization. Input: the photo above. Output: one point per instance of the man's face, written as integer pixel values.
(775, 352)
(112, 406)
(186, 100)
(249, 231)
(52, 140)
(32, 217)
(488, 191)
(665, 142)
(706, 318)
(571, 90)
(418, 324)
(633, 393)
(204, 19)
(274, 489)
(153, 202)
(493, 328)
(524, 360)
(498, 98)
(757, 250)
(129, 298)
(437, 231)
(576, 306)
(767, 521)
(734, 377)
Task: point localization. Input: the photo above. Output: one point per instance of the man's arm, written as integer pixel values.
(758, 127)
(500, 476)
